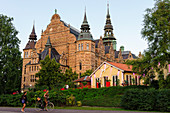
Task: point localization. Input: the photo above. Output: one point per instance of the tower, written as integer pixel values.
(29, 60)
(108, 32)
(85, 55)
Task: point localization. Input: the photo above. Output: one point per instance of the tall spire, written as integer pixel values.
(33, 35)
(108, 38)
(108, 15)
(85, 33)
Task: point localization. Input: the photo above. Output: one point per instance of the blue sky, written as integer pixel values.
(126, 16)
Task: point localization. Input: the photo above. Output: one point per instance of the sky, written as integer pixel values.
(126, 16)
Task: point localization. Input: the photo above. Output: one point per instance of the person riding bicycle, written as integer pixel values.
(42, 103)
(46, 96)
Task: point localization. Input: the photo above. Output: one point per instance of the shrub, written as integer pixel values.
(151, 99)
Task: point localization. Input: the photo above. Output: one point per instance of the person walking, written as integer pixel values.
(24, 100)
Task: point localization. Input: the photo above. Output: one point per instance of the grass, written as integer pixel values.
(92, 108)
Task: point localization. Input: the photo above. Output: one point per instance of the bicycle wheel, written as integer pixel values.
(50, 106)
(38, 106)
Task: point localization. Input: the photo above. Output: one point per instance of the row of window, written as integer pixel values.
(31, 68)
(80, 47)
(129, 80)
(32, 79)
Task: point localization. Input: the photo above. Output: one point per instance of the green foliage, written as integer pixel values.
(149, 100)
(87, 73)
(69, 76)
(156, 32)
(50, 74)
(70, 100)
(10, 56)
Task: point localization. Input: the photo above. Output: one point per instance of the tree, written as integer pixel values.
(155, 31)
(69, 76)
(10, 56)
(50, 73)
(87, 73)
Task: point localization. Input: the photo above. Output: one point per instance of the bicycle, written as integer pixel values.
(39, 106)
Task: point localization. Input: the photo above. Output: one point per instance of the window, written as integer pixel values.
(25, 70)
(127, 80)
(34, 68)
(32, 78)
(81, 46)
(30, 68)
(87, 46)
(27, 54)
(24, 79)
(80, 66)
(37, 68)
(115, 80)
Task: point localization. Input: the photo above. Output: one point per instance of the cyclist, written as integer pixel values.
(46, 96)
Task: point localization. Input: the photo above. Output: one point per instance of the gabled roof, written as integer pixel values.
(124, 67)
(119, 66)
(82, 79)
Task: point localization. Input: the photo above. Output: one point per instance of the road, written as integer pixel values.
(32, 110)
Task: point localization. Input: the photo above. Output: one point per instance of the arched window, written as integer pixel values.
(80, 66)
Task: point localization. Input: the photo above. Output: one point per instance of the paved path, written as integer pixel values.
(31, 110)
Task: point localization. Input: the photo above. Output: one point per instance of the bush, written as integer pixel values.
(151, 99)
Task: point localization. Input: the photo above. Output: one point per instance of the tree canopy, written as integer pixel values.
(155, 31)
(50, 73)
(10, 56)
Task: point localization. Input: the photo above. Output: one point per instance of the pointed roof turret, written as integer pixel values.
(85, 33)
(108, 30)
(85, 24)
(48, 44)
(33, 35)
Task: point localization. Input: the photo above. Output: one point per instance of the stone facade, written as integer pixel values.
(78, 53)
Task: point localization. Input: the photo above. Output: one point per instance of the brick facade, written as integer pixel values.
(80, 55)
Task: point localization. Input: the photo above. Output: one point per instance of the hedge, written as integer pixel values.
(110, 96)
(146, 100)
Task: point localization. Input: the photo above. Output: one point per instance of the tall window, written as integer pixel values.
(30, 68)
(25, 70)
(80, 66)
(127, 80)
(81, 46)
(115, 80)
(37, 68)
(24, 79)
(87, 46)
